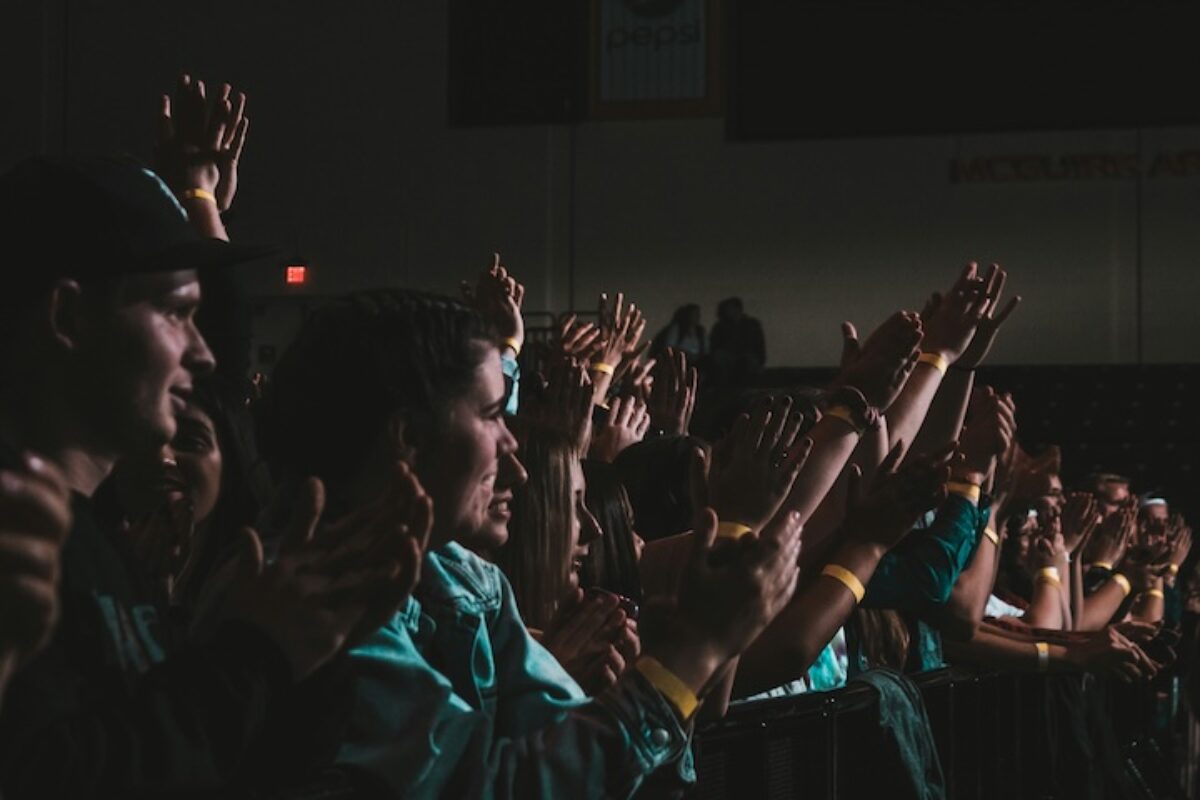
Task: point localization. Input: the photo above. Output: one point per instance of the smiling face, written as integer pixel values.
(469, 465)
(136, 357)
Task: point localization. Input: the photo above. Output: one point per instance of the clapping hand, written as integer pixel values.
(673, 393)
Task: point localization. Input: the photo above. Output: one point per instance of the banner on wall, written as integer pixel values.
(654, 58)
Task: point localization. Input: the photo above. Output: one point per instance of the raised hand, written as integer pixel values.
(331, 586)
(1109, 652)
(579, 340)
(953, 320)
(626, 424)
(673, 393)
(1179, 536)
(498, 297)
(988, 434)
(885, 513)
(565, 403)
(35, 516)
(1113, 536)
(200, 140)
(621, 329)
(990, 322)
(1048, 547)
(1080, 516)
(880, 367)
(752, 470)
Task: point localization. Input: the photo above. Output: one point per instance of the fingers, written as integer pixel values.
(306, 514)
(698, 482)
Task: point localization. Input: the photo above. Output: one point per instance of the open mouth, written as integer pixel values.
(500, 506)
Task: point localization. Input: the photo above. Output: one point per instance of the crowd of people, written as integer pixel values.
(432, 561)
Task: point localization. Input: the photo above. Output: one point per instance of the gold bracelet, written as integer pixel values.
(1156, 593)
(846, 577)
(733, 530)
(199, 194)
(935, 360)
(1103, 565)
(843, 413)
(1043, 653)
(600, 366)
(1173, 569)
(965, 490)
(514, 343)
(991, 534)
(669, 685)
(1123, 582)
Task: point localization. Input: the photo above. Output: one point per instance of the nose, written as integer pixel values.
(198, 358)
(511, 473)
(590, 529)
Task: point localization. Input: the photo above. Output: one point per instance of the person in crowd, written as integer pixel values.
(100, 352)
(684, 334)
(737, 346)
(611, 563)
(455, 696)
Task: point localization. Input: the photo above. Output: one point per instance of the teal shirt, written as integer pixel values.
(919, 574)
(456, 699)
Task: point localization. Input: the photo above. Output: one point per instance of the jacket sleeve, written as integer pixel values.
(412, 731)
(185, 724)
(921, 571)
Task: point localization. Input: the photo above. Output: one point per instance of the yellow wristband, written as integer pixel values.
(600, 366)
(1043, 654)
(1156, 593)
(935, 360)
(967, 490)
(1050, 579)
(1103, 565)
(733, 530)
(1173, 569)
(843, 413)
(991, 534)
(846, 577)
(669, 685)
(1049, 572)
(1123, 582)
(514, 343)
(199, 194)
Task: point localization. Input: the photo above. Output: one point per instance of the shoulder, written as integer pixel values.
(455, 576)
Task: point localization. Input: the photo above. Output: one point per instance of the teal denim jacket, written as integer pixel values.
(456, 699)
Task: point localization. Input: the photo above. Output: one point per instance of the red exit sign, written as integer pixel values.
(295, 275)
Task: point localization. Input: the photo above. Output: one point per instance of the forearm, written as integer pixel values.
(1077, 592)
(1100, 605)
(1149, 605)
(792, 642)
(969, 598)
(991, 650)
(1045, 609)
(908, 412)
(946, 413)
(205, 218)
(831, 511)
(833, 443)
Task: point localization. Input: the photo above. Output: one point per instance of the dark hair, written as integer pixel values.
(354, 363)
(657, 476)
(611, 563)
(537, 556)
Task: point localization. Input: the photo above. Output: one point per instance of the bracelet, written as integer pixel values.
(846, 577)
(966, 490)
(1173, 569)
(600, 366)
(991, 534)
(199, 194)
(1043, 653)
(1050, 579)
(1123, 582)
(1049, 572)
(843, 413)
(1102, 565)
(1156, 593)
(935, 360)
(669, 685)
(514, 343)
(864, 415)
(733, 530)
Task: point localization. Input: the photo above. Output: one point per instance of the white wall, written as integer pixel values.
(351, 165)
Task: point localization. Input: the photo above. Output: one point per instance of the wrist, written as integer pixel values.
(692, 659)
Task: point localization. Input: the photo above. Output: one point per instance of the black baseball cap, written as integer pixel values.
(96, 216)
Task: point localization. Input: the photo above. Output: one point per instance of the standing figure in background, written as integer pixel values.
(738, 347)
(684, 333)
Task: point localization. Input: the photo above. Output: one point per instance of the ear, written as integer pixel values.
(63, 311)
(402, 438)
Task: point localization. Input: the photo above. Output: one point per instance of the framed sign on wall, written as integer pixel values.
(654, 58)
